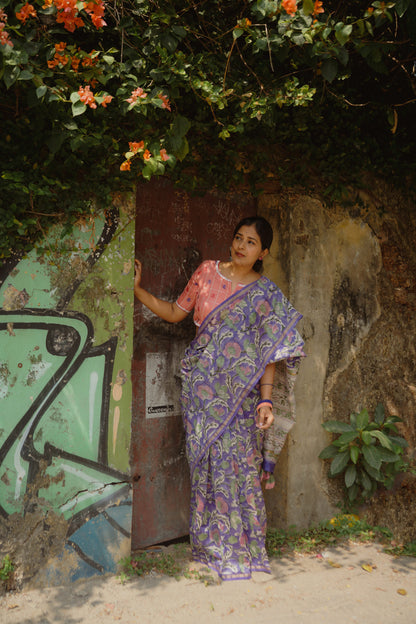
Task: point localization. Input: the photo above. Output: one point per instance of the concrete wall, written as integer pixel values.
(65, 400)
(351, 273)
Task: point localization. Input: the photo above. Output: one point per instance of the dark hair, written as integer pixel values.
(263, 229)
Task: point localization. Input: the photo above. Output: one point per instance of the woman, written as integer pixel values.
(245, 325)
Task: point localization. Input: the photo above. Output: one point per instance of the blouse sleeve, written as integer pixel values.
(186, 301)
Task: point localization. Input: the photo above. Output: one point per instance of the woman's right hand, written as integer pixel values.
(137, 273)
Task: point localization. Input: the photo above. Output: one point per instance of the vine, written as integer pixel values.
(97, 94)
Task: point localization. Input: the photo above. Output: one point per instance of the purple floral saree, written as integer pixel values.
(221, 370)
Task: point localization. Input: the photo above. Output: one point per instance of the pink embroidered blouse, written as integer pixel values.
(206, 289)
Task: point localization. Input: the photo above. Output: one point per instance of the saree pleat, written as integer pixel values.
(220, 374)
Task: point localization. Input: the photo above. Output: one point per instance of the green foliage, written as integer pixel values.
(402, 550)
(6, 570)
(203, 85)
(150, 562)
(369, 454)
(159, 562)
(339, 528)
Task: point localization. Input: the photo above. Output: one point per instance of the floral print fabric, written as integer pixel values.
(220, 374)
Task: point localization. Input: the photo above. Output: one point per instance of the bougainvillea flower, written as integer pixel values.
(290, 6)
(146, 155)
(317, 7)
(125, 166)
(137, 93)
(87, 97)
(75, 61)
(27, 10)
(165, 101)
(5, 37)
(96, 11)
(106, 100)
(135, 146)
(68, 14)
(163, 154)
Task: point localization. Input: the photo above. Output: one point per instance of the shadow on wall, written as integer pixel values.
(54, 423)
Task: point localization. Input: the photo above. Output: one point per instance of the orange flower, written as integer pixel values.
(106, 100)
(146, 155)
(125, 166)
(75, 61)
(68, 14)
(370, 10)
(317, 8)
(135, 146)
(290, 6)
(163, 154)
(137, 93)
(27, 10)
(96, 11)
(165, 101)
(87, 97)
(5, 37)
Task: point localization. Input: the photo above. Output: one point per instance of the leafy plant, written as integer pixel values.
(368, 453)
(337, 529)
(150, 562)
(6, 571)
(202, 92)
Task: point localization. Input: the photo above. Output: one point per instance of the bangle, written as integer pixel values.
(266, 384)
(264, 402)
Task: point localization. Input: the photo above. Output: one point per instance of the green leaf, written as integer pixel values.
(347, 437)
(362, 419)
(350, 475)
(379, 414)
(308, 6)
(11, 74)
(366, 481)
(343, 32)
(329, 69)
(78, 108)
(354, 453)
(336, 426)
(399, 441)
(382, 438)
(25, 74)
(374, 474)
(387, 456)
(329, 452)
(180, 126)
(401, 7)
(338, 463)
(353, 492)
(40, 91)
(371, 456)
(237, 32)
(366, 438)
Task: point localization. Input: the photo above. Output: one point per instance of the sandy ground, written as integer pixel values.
(332, 586)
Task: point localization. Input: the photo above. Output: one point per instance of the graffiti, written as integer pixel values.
(55, 393)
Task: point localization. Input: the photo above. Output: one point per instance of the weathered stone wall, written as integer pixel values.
(351, 273)
(66, 313)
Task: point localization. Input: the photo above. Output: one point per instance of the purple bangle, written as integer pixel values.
(268, 466)
(264, 402)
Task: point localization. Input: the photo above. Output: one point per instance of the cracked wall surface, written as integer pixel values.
(351, 273)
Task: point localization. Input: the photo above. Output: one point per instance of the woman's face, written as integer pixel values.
(246, 246)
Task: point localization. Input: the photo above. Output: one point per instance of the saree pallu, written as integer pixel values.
(220, 373)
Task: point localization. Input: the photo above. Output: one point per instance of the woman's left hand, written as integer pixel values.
(265, 417)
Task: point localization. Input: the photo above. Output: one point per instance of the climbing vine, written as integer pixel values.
(96, 94)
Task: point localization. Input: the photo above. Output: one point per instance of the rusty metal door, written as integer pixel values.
(174, 233)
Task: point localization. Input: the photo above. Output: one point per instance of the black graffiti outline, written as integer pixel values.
(48, 395)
